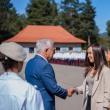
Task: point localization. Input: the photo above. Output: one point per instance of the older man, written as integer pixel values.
(40, 73)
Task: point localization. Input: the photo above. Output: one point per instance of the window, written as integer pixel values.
(64, 49)
(58, 48)
(31, 50)
(70, 48)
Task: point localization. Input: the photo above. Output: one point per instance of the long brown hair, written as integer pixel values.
(99, 59)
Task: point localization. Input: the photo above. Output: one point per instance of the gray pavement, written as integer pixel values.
(69, 76)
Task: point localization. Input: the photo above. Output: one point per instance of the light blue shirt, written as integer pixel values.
(17, 94)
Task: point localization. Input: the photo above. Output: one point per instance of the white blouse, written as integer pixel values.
(17, 94)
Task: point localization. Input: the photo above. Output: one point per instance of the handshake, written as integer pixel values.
(71, 91)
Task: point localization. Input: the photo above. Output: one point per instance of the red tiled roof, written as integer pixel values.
(32, 33)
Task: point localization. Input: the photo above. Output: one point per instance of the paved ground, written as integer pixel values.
(67, 76)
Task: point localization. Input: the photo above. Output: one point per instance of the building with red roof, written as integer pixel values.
(62, 38)
(32, 33)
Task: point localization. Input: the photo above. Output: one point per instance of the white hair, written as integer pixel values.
(43, 44)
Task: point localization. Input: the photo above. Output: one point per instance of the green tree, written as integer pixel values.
(9, 24)
(103, 41)
(69, 15)
(78, 18)
(108, 28)
(88, 25)
(20, 23)
(16, 22)
(108, 32)
(5, 9)
(42, 12)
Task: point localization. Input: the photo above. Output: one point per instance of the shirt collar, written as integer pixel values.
(9, 75)
(42, 57)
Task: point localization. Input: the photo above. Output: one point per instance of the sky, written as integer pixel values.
(102, 10)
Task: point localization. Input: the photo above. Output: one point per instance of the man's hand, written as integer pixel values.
(70, 91)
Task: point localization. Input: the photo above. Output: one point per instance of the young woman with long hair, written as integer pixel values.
(96, 86)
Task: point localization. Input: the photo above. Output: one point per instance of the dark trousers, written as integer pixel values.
(88, 107)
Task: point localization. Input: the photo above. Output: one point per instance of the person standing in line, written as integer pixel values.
(96, 86)
(15, 93)
(39, 72)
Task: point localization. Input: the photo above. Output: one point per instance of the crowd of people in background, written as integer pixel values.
(69, 58)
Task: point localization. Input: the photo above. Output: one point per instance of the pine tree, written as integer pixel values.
(9, 25)
(88, 25)
(108, 28)
(5, 8)
(16, 20)
(42, 12)
(108, 32)
(78, 18)
(70, 15)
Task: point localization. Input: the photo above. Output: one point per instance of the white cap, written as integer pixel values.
(13, 51)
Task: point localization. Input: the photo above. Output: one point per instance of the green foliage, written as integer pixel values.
(69, 16)
(104, 41)
(42, 12)
(78, 18)
(88, 26)
(108, 32)
(5, 10)
(108, 28)
(10, 21)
